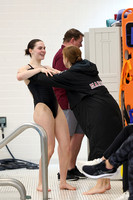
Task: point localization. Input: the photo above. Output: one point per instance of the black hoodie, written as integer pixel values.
(79, 81)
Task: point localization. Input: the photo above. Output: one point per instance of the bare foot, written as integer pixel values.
(66, 186)
(95, 190)
(101, 187)
(107, 184)
(39, 189)
(108, 187)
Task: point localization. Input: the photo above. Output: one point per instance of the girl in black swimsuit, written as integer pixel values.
(47, 112)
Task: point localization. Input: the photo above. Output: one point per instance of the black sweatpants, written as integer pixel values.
(123, 135)
(125, 176)
(125, 153)
(100, 119)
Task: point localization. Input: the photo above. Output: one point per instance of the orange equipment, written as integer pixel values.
(126, 83)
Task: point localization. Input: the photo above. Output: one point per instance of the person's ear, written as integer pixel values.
(30, 51)
(72, 40)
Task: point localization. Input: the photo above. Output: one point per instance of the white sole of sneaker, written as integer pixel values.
(99, 176)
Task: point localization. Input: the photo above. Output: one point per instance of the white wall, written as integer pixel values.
(21, 21)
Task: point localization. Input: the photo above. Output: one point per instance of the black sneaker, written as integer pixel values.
(98, 171)
(78, 174)
(70, 176)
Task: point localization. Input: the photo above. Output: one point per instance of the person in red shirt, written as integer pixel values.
(71, 37)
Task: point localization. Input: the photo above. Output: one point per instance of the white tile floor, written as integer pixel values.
(30, 178)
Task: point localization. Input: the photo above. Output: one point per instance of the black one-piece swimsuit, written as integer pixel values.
(42, 93)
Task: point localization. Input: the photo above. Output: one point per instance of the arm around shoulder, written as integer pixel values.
(23, 73)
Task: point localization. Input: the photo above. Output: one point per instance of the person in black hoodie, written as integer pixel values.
(95, 109)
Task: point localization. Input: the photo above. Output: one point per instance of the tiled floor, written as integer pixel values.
(30, 178)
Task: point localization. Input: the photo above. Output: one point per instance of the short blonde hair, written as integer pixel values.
(72, 53)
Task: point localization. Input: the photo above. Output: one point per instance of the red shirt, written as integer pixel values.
(59, 92)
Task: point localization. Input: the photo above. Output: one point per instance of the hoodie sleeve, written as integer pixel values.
(61, 80)
(78, 78)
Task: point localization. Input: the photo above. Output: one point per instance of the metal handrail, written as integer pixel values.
(44, 151)
(15, 183)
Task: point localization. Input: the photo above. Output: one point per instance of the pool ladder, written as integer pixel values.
(44, 156)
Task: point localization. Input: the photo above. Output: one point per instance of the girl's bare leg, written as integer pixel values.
(39, 187)
(44, 117)
(101, 186)
(63, 137)
(75, 144)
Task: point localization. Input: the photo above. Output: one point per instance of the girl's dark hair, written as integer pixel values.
(72, 53)
(31, 45)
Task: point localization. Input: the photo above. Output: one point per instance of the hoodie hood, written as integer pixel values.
(85, 67)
